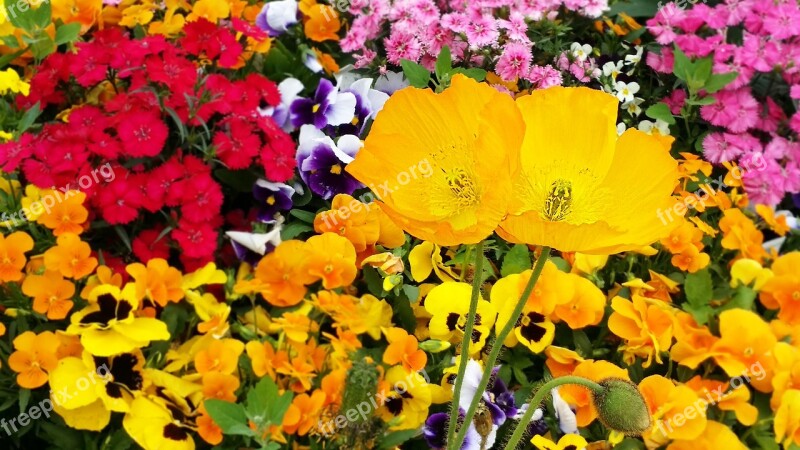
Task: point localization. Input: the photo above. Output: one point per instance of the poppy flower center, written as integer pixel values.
(462, 186)
(558, 204)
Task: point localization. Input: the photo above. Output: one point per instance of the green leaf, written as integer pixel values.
(444, 63)
(701, 101)
(28, 118)
(264, 405)
(294, 229)
(683, 66)
(701, 71)
(698, 288)
(392, 440)
(517, 260)
(743, 298)
(240, 180)
(305, 216)
(718, 81)
(411, 291)
(24, 398)
(230, 417)
(416, 74)
(42, 46)
(19, 17)
(660, 111)
(41, 16)
(475, 73)
(699, 292)
(67, 33)
(123, 236)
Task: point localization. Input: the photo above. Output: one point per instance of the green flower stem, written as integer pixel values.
(455, 444)
(540, 395)
(467, 339)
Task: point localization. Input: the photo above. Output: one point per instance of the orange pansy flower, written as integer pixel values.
(322, 23)
(332, 259)
(221, 386)
(645, 327)
(157, 281)
(348, 217)
(282, 276)
(52, 294)
(221, 355)
(34, 358)
(12, 255)
(71, 257)
(676, 411)
(404, 350)
(303, 413)
(67, 215)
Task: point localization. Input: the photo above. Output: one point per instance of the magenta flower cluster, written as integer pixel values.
(490, 33)
(749, 127)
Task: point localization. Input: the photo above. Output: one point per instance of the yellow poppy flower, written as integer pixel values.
(449, 184)
(587, 190)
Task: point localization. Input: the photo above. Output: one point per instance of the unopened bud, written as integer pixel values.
(621, 407)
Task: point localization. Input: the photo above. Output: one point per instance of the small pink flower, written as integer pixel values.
(717, 149)
(402, 46)
(482, 32)
(514, 62)
(661, 63)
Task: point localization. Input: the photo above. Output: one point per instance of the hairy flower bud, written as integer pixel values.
(621, 406)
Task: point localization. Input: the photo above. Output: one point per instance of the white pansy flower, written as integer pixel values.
(625, 91)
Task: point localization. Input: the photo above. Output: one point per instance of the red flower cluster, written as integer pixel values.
(156, 115)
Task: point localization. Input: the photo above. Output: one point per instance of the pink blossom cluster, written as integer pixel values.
(749, 127)
(474, 30)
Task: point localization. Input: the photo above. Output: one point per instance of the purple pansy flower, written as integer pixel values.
(321, 162)
(276, 17)
(368, 103)
(271, 199)
(289, 89)
(328, 107)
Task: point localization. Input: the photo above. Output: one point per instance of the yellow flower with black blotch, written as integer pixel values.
(406, 399)
(153, 426)
(115, 381)
(448, 303)
(587, 190)
(108, 326)
(450, 183)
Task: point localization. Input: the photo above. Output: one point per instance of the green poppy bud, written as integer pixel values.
(621, 406)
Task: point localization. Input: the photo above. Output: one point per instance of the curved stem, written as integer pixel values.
(467, 339)
(537, 399)
(496, 348)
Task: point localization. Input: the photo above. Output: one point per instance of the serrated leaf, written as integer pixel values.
(517, 260)
(718, 81)
(279, 406)
(416, 74)
(698, 288)
(411, 291)
(660, 111)
(701, 71)
(42, 46)
(41, 16)
(230, 417)
(444, 63)
(683, 66)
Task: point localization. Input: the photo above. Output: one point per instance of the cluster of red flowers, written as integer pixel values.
(160, 115)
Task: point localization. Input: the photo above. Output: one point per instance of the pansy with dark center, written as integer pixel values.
(322, 162)
(271, 199)
(327, 107)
